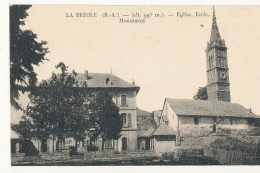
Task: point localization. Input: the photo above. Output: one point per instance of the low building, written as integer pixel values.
(160, 140)
(163, 139)
(144, 139)
(192, 118)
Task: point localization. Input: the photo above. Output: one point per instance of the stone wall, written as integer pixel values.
(164, 144)
(17, 156)
(55, 156)
(131, 137)
(205, 126)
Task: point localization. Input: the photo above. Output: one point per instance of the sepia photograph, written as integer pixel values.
(99, 85)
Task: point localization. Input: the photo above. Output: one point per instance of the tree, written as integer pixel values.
(57, 108)
(24, 128)
(108, 121)
(60, 108)
(25, 52)
(201, 94)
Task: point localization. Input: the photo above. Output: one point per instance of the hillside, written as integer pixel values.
(144, 120)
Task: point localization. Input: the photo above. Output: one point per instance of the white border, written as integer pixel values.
(5, 90)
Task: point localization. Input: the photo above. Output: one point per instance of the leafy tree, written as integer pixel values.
(201, 94)
(108, 122)
(24, 128)
(61, 108)
(58, 108)
(25, 52)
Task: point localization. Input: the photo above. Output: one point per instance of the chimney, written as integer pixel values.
(250, 110)
(86, 74)
(133, 82)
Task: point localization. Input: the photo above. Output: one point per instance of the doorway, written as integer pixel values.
(124, 143)
(44, 145)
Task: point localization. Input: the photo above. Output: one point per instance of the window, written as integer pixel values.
(124, 143)
(124, 120)
(152, 144)
(210, 61)
(196, 120)
(107, 81)
(61, 144)
(222, 61)
(108, 143)
(123, 100)
(231, 121)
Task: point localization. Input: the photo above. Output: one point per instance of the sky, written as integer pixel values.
(165, 56)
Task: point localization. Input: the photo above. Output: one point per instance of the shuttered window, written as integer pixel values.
(124, 117)
(129, 120)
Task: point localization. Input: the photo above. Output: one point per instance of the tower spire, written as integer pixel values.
(215, 35)
(218, 86)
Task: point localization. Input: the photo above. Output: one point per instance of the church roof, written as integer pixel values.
(187, 107)
(215, 38)
(215, 35)
(103, 80)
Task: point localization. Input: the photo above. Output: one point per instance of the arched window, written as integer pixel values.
(209, 61)
(219, 60)
(107, 81)
(222, 63)
(212, 65)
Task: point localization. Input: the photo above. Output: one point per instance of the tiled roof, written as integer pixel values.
(147, 133)
(102, 80)
(98, 80)
(209, 108)
(163, 130)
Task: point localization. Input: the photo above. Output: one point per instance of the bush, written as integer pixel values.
(92, 148)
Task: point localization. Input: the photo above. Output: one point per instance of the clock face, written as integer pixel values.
(223, 75)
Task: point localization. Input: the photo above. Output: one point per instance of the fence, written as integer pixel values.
(231, 157)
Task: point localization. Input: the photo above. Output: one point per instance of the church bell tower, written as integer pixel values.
(218, 86)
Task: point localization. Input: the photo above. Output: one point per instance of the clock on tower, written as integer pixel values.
(218, 86)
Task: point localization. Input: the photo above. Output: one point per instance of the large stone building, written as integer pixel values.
(124, 96)
(192, 118)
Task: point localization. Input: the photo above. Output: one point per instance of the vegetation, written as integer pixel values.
(108, 123)
(60, 108)
(25, 52)
(201, 94)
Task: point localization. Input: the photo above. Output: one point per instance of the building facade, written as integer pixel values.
(194, 118)
(124, 96)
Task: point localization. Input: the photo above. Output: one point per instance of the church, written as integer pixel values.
(201, 118)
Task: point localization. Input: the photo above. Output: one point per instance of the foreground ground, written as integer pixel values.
(195, 160)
